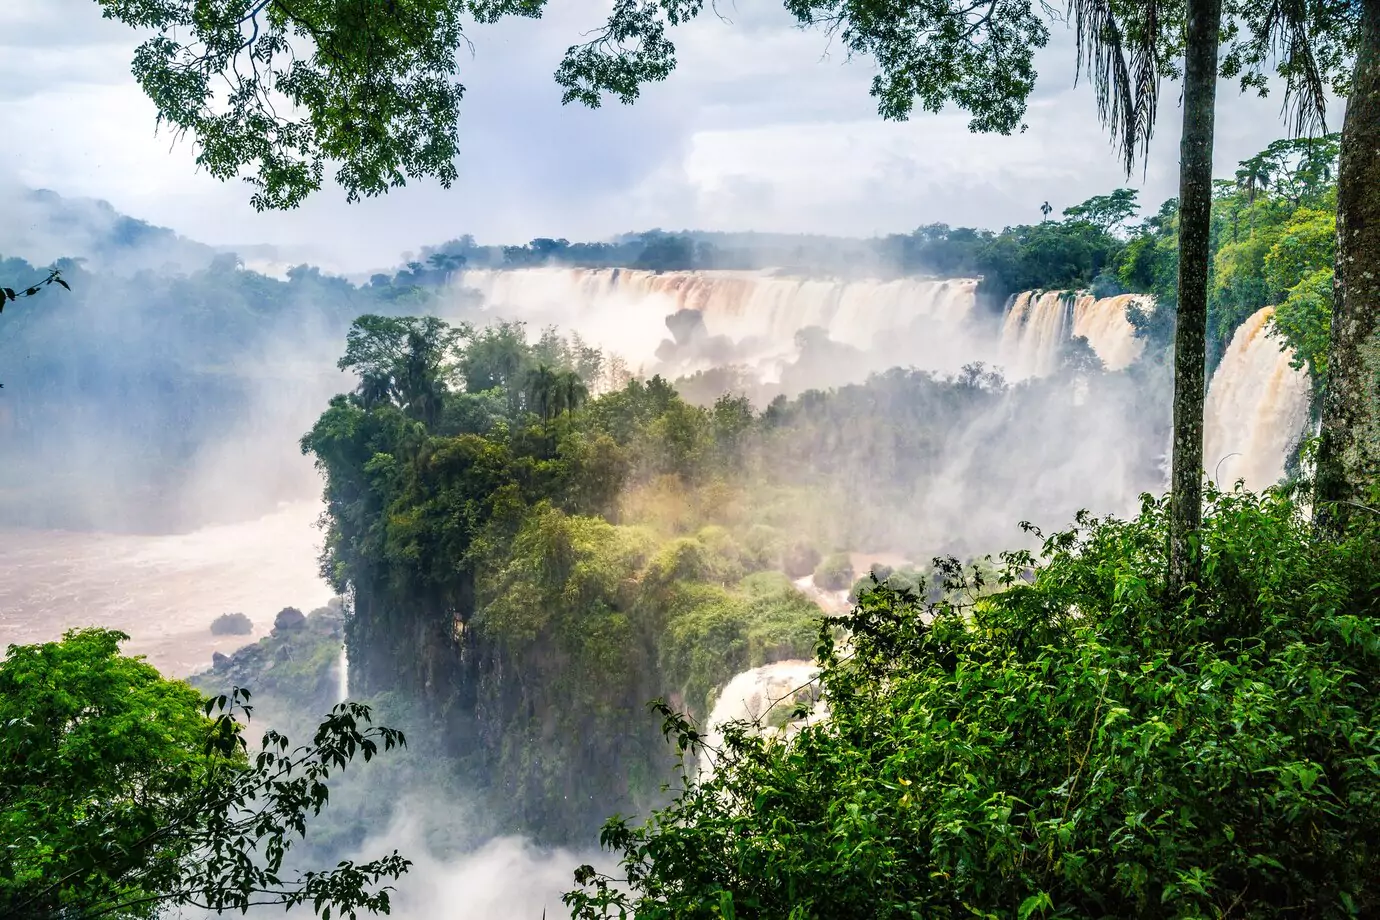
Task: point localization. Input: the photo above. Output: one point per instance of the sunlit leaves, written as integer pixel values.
(1079, 745)
(122, 793)
(275, 91)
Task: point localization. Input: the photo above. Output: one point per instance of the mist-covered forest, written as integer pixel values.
(532, 537)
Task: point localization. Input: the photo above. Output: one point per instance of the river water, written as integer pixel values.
(163, 591)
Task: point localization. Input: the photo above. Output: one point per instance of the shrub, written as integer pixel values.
(232, 624)
(1081, 745)
(835, 573)
(289, 618)
(800, 560)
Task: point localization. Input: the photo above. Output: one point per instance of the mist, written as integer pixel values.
(152, 421)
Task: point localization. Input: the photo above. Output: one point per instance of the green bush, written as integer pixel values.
(800, 560)
(834, 573)
(1081, 745)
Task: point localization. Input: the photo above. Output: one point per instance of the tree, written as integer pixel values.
(404, 361)
(1195, 260)
(542, 387)
(1348, 471)
(1045, 210)
(571, 392)
(122, 793)
(1106, 212)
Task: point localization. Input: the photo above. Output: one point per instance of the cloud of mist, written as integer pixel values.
(505, 878)
(1035, 449)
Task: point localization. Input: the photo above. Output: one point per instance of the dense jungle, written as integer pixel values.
(1005, 573)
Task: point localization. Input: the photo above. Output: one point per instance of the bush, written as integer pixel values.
(1083, 745)
(289, 618)
(800, 560)
(232, 624)
(835, 573)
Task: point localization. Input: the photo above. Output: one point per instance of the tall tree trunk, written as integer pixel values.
(1349, 453)
(1190, 336)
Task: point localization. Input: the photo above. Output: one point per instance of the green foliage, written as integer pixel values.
(1107, 212)
(1273, 232)
(294, 672)
(713, 633)
(1079, 744)
(372, 91)
(1304, 321)
(121, 795)
(834, 572)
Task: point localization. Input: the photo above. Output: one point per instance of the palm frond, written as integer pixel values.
(1119, 50)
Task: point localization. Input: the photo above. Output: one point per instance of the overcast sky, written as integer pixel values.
(762, 127)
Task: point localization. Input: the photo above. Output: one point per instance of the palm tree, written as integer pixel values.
(1120, 46)
(571, 391)
(1045, 209)
(542, 390)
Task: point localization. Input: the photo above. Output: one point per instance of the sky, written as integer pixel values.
(763, 126)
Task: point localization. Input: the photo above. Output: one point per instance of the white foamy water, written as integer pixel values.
(162, 590)
(752, 694)
(1038, 323)
(342, 676)
(624, 310)
(1256, 407)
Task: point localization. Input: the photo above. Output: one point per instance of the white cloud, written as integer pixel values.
(763, 126)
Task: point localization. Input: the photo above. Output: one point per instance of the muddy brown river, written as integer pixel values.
(163, 591)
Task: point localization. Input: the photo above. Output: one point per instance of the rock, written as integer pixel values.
(231, 624)
(219, 661)
(289, 619)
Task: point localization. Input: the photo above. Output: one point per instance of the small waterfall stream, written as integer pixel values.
(342, 676)
(753, 695)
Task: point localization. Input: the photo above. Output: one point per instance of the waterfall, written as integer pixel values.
(751, 694)
(1038, 323)
(1102, 321)
(1256, 407)
(624, 310)
(1032, 333)
(342, 676)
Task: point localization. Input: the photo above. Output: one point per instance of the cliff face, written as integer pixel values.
(541, 688)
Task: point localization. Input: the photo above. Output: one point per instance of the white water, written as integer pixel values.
(624, 311)
(1256, 407)
(751, 695)
(342, 677)
(1038, 323)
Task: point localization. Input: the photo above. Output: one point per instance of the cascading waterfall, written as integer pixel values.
(1257, 404)
(624, 310)
(1102, 321)
(1038, 323)
(751, 694)
(342, 676)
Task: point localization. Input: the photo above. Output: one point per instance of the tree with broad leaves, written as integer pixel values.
(123, 793)
(405, 361)
(1106, 212)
